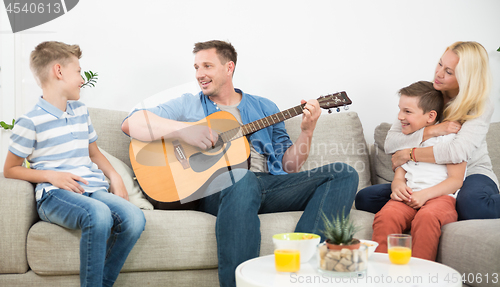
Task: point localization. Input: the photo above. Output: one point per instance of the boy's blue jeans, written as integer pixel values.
(329, 189)
(110, 227)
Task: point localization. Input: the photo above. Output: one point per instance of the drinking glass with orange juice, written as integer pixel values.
(287, 260)
(399, 248)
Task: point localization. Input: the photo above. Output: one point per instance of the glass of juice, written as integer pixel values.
(287, 260)
(399, 248)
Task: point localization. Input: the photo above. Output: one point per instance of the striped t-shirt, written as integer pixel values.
(55, 140)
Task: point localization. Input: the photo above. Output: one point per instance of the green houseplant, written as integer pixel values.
(339, 232)
(6, 126)
(90, 79)
(341, 252)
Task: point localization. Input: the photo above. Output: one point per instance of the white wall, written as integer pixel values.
(288, 50)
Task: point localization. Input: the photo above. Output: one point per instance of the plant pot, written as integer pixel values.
(343, 262)
(355, 243)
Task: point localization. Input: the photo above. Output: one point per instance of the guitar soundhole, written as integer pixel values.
(218, 145)
(200, 162)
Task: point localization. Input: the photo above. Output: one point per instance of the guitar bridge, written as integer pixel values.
(180, 154)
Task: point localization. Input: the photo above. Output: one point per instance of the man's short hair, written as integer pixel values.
(48, 53)
(224, 50)
(429, 98)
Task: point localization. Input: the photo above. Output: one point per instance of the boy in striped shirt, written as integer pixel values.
(59, 141)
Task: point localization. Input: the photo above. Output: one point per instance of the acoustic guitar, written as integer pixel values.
(172, 173)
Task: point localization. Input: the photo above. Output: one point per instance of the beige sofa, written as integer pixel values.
(178, 248)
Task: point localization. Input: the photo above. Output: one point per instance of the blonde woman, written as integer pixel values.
(463, 76)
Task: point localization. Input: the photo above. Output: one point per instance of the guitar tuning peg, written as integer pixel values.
(329, 111)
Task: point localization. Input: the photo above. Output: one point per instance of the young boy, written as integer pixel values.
(423, 194)
(59, 141)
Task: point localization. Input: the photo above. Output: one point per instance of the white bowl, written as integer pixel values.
(372, 245)
(295, 240)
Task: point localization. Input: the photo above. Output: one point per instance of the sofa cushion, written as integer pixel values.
(177, 278)
(135, 195)
(380, 161)
(471, 247)
(172, 240)
(17, 204)
(338, 137)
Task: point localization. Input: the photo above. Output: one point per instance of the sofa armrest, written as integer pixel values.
(18, 213)
(471, 247)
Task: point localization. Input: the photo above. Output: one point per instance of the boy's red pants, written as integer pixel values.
(425, 224)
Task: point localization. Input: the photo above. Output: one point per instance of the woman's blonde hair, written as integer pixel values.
(474, 82)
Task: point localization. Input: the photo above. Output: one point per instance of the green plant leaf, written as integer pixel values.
(6, 126)
(91, 79)
(498, 49)
(340, 229)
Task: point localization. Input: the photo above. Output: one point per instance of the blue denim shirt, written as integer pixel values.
(272, 141)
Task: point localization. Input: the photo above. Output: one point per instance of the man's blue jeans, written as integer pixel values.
(110, 227)
(327, 189)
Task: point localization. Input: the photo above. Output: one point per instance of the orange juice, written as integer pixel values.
(287, 260)
(399, 255)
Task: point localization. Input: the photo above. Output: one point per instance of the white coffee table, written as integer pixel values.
(380, 272)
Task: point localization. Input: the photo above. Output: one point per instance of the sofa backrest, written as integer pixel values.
(338, 137)
(107, 124)
(381, 162)
(494, 146)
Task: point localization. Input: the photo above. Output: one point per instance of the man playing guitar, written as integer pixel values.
(273, 183)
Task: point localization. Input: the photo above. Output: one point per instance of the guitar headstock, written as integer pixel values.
(334, 100)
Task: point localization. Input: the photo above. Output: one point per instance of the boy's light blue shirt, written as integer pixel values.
(55, 140)
(272, 141)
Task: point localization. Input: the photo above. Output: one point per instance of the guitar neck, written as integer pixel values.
(262, 123)
(272, 119)
(325, 102)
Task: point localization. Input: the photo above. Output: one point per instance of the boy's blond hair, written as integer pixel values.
(429, 99)
(47, 54)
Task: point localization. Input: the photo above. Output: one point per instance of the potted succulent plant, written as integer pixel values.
(341, 252)
(339, 232)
